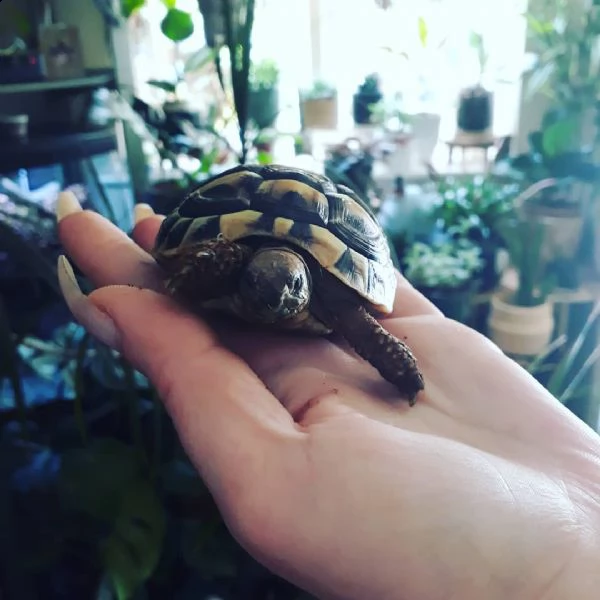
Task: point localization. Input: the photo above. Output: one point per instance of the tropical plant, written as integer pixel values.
(523, 236)
(177, 24)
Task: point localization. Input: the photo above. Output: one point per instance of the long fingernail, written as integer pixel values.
(98, 323)
(66, 205)
(141, 212)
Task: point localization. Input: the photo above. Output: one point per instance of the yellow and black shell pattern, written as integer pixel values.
(292, 205)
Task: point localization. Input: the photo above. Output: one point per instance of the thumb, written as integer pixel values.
(228, 422)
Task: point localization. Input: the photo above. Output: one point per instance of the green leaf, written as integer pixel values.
(167, 86)
(177, 25)
(132, 551)
(128, 7)
(561, 136)
(169, 3)
(92, 479)
(106, 481)
(423, 31)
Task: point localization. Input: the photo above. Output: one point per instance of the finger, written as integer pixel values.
(408, 301)
(147, 224)
(101, 250)
(229, 423)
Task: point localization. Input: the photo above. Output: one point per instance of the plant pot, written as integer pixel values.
(319, 113)
(475, 110)
(425, 128)
(520, 330)
(263, 106)
(361, 106)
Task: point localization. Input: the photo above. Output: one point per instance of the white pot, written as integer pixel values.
(520, 330)
(425, 131)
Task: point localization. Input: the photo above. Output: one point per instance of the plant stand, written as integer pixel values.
(482, 142)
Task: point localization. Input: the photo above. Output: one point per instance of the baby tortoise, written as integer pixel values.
(286, 248)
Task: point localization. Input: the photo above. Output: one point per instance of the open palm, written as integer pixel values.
(486, 488)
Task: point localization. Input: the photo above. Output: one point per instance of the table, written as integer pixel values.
(483, 141)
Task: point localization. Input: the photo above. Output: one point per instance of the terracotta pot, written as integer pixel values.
(520, 330)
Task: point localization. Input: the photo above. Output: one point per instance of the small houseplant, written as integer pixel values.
(367, 98)
(263, 98)
(319, 106)
(475, 105)
(444, 273)
(521, 318)
(475, 207)
(556, 154)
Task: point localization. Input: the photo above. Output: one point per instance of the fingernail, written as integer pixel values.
(141, 212)
(98, 323)
(66, 205)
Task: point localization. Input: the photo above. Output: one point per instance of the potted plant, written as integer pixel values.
(555, 155)
(444, 273)
(366, 99)
(263, 98)
(319, 106)
(521, 320)
(474, 207)
(475, 104)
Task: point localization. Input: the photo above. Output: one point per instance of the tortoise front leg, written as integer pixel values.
(389, 355)
(203, 271)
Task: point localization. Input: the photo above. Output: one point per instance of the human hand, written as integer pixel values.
(486, 488)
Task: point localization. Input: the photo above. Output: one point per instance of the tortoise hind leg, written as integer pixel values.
(389, 355)
(203, 271)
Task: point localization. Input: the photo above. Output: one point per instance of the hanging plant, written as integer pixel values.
(177, 25)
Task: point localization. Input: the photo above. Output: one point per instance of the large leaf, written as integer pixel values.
(561, 136)
(177, 25)
(423, 31)
(132, 551)
(106, 480)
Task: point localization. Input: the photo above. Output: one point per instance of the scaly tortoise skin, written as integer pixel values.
(288, 249)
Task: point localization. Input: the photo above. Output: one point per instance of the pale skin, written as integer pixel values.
(486, 489)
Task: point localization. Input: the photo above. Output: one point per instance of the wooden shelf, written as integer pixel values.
(99, 79)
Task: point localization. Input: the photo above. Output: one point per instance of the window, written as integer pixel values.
(366, 38)
(354, 38)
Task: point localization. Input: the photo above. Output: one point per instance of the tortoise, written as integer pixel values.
(289, 249)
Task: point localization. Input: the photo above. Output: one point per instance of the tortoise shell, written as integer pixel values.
(310, 211)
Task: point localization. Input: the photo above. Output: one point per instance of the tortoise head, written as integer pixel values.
(275, 285)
